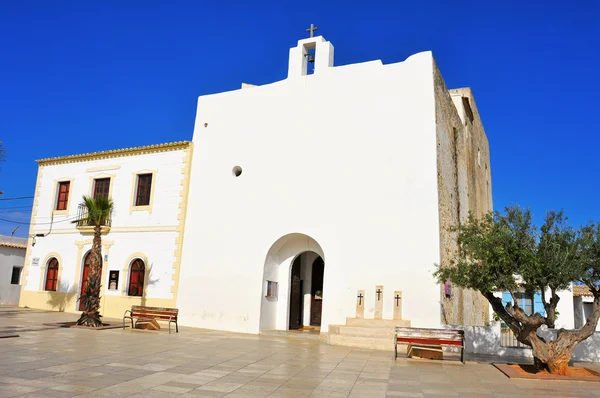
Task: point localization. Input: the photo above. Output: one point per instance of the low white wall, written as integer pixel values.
(10, 257)
(485, 340)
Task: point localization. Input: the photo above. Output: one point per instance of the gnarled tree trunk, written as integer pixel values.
(554, 355)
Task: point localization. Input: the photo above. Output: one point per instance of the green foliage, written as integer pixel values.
(98, 210)
(507, 253)
(590, 256)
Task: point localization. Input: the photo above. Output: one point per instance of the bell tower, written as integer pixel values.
(315, 50)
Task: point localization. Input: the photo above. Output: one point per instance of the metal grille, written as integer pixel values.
(508, 338)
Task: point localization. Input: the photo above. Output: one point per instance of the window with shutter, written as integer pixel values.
(136, 278)
(101, 187)
(52, 275)
(143, 190)
(62, 199)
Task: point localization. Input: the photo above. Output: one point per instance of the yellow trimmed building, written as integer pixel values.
(142, 242)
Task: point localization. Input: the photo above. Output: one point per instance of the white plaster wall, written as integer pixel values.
(346, 156)
(10, 257)
(166, 190)
(157, 246)
(566, 313)
(150, 233)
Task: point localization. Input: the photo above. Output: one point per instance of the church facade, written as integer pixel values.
(308, 191)
(321, 197)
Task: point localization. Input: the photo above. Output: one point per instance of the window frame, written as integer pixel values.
(59, 192)
(147, 190)
(12, 275)
(134, 191)
(525, 300)
(139, 287)
(56, 196)
(52, 281)
(95, 185)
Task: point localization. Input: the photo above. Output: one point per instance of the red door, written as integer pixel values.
(84, 276)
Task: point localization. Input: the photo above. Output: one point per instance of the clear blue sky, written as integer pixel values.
(81, 76)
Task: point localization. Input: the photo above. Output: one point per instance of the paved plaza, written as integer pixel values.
(60, 362)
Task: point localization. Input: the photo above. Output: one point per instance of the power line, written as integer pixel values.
(41, 223)
(15, 207)
(18, 198)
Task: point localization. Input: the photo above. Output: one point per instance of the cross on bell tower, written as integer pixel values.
(313, 54)
(312, 30)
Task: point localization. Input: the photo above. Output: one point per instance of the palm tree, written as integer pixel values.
(97, 212)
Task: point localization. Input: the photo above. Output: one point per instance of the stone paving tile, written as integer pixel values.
(50, 393)
(79, 389)
(12, 390)
(203, 363)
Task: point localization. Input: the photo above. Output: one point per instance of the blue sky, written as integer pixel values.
(81, 76)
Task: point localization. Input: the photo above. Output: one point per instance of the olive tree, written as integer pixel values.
(507, 253)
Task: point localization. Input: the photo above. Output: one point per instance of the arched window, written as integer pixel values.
(136, 278)
(52, 275)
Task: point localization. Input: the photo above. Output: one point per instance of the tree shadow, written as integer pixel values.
(151, 282)
(59, 299)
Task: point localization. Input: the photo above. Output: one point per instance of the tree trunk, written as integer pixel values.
(553, 356)
(91, 296)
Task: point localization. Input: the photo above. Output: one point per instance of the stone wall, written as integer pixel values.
(463, 186)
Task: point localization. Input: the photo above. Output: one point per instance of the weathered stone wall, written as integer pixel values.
(464, 186)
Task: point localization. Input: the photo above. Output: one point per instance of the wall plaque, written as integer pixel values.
(113, 280)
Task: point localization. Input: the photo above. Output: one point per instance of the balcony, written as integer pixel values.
(86, 227)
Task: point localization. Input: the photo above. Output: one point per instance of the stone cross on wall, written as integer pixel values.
(378, 302)
(397, 304)
(360, 304)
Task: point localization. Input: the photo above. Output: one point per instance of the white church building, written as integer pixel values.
(311, 200)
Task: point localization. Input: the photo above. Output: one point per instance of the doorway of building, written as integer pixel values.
(84, 276)
(296, 296)
(306, 291)
(316, 292)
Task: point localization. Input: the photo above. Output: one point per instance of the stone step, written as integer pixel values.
(378, 323)
(368, 343)
(366, 331)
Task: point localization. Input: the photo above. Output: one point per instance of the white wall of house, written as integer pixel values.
(485, 340)
(150, 233)
(12, 254)
(344, 158)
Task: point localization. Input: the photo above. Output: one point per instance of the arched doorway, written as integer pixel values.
(288, 298)
(306, 291)
(84, 276)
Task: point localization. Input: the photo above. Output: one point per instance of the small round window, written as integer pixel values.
(237, 171)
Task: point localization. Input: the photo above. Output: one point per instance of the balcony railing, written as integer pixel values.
(82, 215)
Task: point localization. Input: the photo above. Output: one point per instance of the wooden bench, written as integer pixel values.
(148, 313)
(419, 337)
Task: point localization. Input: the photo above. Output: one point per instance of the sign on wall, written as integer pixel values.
(35, 261)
